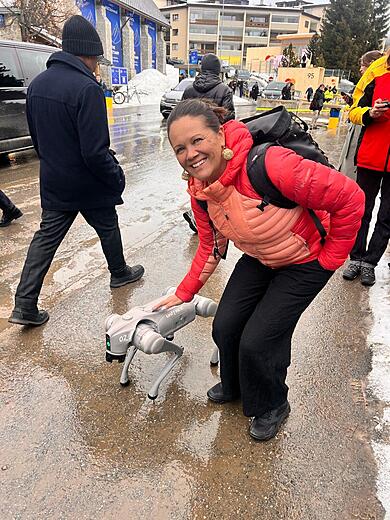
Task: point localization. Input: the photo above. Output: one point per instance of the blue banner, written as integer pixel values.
(123, 77)
(194, 57)
(115, 80)
(113, 16)
(135, 25)
(87, 10)
(119, 76)
(152, 31)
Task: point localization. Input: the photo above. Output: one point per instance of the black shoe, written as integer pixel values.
(129, 275)
(8, 217)
(188, 216)
(367, 276)
(267, 425)
(23, 317)
(216, 395)
(352, 271)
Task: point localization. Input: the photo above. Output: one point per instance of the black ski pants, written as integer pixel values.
(371, 181)
(254, 324)
(54, 226)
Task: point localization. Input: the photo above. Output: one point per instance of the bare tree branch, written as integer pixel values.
(37, 15)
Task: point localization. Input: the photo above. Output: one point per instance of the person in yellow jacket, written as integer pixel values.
(328, 93)
(371, 110)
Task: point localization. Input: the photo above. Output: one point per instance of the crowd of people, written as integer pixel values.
(286, 261)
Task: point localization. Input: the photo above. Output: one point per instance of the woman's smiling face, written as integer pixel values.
(198, 148)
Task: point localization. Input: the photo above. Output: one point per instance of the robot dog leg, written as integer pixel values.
(152, 333)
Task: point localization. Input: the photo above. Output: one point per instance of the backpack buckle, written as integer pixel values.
(263, 204)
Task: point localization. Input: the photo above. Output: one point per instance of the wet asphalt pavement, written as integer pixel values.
(74, 444)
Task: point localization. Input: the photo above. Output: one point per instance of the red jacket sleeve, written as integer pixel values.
(204, 262)
(318, 187)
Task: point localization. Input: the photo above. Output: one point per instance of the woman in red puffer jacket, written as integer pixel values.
(284, 265)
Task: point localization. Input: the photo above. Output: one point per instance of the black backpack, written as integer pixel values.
(277, 127)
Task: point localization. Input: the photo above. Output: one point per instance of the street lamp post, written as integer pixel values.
(221, 28)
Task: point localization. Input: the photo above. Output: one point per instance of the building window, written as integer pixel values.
(259, 33)
(285, 19)
(258, 19)
(2, 21)
(197, 16)
(306, 24)
(232, 17)
(175, 17)
(175, 32)
(228, 46)
(175, 47)
(231, 31)
(203, 29)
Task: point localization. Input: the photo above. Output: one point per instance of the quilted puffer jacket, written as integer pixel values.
(277, 236)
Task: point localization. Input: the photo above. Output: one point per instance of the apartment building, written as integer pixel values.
(229, 29)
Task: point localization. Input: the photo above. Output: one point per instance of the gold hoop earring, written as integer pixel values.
(227, 154)
(185, 176)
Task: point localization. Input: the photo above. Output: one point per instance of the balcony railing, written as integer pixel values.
(204, 22)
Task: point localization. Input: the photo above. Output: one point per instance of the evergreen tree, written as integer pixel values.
(346, 34)
(291, 57)
(381, 23)
(315, 52)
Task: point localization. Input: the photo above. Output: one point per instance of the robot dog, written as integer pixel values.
(152, 333)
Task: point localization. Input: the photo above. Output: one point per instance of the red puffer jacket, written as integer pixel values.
(338, 201)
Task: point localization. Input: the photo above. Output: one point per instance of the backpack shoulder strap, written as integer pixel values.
(216, 252)
(261, 182)
(259, 179)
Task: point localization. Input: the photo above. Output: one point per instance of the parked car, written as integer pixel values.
(243, 74)
(171, 99)
(20, 62)
(273, 90)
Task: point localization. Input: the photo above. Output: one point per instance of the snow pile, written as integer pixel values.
(151, 85)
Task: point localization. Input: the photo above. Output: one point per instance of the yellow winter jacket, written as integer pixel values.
(374, 148)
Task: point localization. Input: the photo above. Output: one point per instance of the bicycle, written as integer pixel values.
(120, 97)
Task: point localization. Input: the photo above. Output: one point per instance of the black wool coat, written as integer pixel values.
(67, 117)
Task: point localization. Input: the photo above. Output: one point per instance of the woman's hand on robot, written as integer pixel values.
(170, 301)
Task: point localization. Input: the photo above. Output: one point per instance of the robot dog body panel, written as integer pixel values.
(152, 333)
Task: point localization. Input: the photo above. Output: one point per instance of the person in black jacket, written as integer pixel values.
(286, 91)
(208, 84)
(67, 118)
(317, 104)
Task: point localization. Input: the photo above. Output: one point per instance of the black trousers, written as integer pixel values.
(54, 226)
(371, 182)
(254, 324)
(6, 204)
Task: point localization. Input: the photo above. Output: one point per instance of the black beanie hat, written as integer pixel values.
(210, 63)
(79, 37)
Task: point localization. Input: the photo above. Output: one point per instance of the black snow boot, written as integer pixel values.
(216, 395)
(28, 317)
(367, 276)
(352, 271)
(129, 275)
(9, 216)
(267, 425)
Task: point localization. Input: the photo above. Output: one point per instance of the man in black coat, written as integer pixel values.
(67, 118)
(208, 84)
